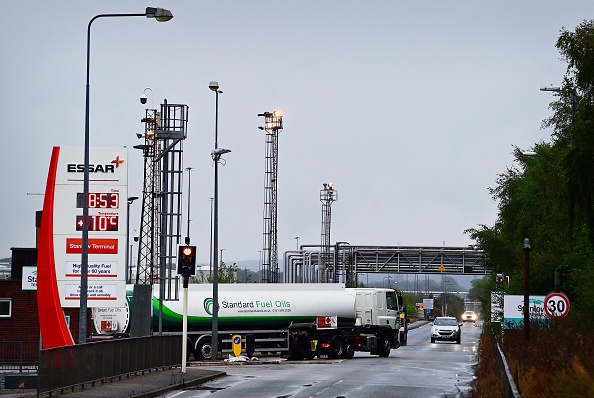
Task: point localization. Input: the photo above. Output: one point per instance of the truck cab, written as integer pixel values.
(377, 307)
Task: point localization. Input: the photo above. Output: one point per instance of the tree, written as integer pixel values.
(226, 274)
(549, 198)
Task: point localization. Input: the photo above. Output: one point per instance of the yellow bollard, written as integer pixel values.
(236, 345)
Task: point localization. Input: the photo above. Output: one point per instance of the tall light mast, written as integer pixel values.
(273, 124)
(328, 195)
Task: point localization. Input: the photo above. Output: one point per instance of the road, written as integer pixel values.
(420, 370)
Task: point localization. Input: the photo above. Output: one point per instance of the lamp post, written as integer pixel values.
(161, 15)
(526, 247)
(189, 182)
(131, 259)
(216, 156)
(388, 278)
(128, 269)
(210, 248)
(446, 285)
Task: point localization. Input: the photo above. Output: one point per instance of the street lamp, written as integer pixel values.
(559, 90)
(526, 247)
(161, 15)
(388, 278)
(216, 157)
(128, 269)
(214, 86)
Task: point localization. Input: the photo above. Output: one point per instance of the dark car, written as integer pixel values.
(445, 328)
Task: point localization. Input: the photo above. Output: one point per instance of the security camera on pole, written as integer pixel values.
(186, 267)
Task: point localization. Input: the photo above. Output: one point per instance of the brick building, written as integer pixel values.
(19, 319)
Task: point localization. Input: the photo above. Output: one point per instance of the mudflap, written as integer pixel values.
(301, 348)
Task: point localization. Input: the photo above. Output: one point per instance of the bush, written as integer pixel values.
(555, 362)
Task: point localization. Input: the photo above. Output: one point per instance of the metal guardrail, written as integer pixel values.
(510, 388)
(19, 355)
(67, 367)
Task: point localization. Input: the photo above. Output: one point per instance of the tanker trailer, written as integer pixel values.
(297, 320)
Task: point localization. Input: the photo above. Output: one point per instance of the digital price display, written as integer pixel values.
(98, 223)
(109, 200)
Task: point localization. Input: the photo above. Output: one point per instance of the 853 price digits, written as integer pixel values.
(98, 200)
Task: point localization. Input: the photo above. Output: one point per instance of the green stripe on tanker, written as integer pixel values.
(256, 306)
(171, 320)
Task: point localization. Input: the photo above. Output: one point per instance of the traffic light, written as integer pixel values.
(500, 279)
(186, 260)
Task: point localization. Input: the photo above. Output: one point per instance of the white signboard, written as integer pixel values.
(95, 292)
(428, 303)
(496, 306)
(102, 269)
(29, 278)
(513, 310)
(108, 196)
(111, 319)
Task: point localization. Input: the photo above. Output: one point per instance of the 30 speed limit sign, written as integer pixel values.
(556, 305)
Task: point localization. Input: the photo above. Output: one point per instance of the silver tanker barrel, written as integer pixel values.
(253, 306)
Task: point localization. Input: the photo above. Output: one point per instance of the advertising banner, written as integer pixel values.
(29, 278)
(513, 310)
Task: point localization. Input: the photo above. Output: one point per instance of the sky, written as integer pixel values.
(411, 109)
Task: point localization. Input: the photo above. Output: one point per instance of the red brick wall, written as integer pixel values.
(23, 325)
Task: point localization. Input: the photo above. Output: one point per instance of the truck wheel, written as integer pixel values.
(384, 347)
(349, 351)
(203, 351)
(337, 348)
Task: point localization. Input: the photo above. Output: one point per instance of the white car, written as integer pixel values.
(469, 316)
(445, 328)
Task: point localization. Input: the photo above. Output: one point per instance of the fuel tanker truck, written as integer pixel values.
(298, 321)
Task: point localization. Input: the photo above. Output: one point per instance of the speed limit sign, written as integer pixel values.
(556, 305)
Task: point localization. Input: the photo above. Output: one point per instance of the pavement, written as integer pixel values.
(147, 384)
(142, 385)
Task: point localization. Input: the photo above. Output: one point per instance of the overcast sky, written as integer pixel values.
(410, 108)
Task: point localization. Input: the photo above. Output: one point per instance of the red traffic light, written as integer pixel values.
(186, 258)
(500, 278)
(187, 254)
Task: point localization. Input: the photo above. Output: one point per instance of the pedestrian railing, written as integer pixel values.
(19, 356)
(69, 367)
